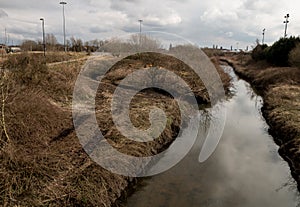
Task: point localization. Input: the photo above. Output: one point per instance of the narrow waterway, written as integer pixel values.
(244, 171)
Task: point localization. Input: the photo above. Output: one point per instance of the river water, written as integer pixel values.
(244, 171)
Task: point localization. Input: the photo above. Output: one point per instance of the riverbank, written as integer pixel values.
(280, 90)
(42, 160)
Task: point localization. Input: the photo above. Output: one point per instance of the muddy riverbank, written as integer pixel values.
(280, 90)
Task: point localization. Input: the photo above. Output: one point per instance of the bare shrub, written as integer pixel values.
(27, 69)
(145, 43)
(136, 43)
(294, 56)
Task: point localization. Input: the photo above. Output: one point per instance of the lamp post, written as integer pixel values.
(63, 3)
(43, 29)
(263, 39)
(5, 37)
(140, 21)
(286, 23)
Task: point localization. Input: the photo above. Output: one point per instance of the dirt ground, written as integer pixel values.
(42, 161)
(280, 89)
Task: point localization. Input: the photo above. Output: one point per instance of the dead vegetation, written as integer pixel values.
(280, 89)
(42, 161)
(24, 59)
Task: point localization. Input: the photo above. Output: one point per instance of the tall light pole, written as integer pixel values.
(263, 39)
(5, 40)
(140, 21)
(286, 23)
(63, 3)
(43, 29)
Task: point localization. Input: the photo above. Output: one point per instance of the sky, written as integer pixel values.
(225, 23)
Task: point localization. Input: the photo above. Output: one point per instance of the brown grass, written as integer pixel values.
(43, 163)
(24, 59)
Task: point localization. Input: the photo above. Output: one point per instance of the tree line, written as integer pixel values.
(73, 44)
(284, 52)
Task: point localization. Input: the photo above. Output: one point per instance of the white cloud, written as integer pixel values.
(205, 22)
(3, 13)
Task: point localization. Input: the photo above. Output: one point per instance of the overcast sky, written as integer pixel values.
(223, 23)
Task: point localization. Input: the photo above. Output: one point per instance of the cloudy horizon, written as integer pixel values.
(236, 23)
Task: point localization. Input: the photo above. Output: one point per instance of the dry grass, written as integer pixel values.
(43, 164)
(22, 60)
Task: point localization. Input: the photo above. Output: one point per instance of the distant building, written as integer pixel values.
(14, 49)
(3, 49)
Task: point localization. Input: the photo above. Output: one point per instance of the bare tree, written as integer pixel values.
(4, 137)
(30, 45)
(51, 39)
(76, 44)
(51, 42)
(117, 46)
(145, 43)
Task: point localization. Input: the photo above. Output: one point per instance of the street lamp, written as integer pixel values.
(286, 23)
(43, 29)
(263, 39)
(63, 3)
(140, 21)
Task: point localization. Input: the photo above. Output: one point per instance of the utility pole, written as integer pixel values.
(263, 39)
(286, 23)
(63, 3)
(140, 20)
(5, 36)
(44, 41)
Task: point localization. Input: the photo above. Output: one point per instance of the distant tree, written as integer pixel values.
(278, 53)
(147, 43)
(117, 46)
(69, 44)
(31, 45)
(76, 44)
(51, 39)
(51, 42)
(259, 52)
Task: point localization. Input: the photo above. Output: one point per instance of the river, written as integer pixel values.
(244, 171)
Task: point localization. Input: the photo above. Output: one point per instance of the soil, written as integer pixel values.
(280, 90)
(42, 161)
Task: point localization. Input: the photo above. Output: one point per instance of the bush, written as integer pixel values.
(278, 53)
(294, 56)
(259, 52)
(27, 68)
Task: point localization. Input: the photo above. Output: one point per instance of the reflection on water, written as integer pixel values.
(245, 170)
